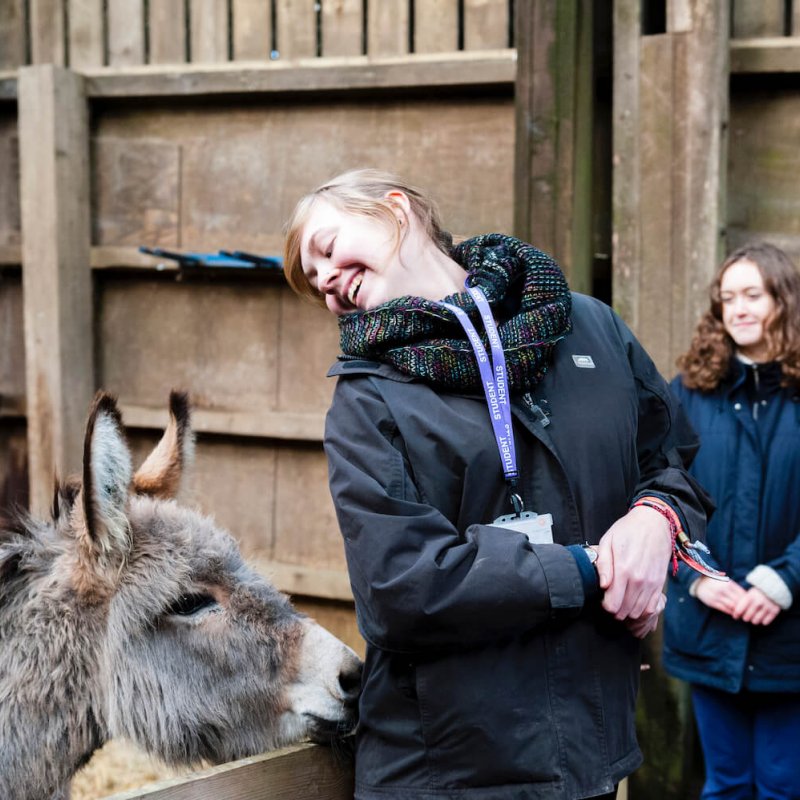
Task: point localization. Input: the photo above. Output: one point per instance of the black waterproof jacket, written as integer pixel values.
(485, 675)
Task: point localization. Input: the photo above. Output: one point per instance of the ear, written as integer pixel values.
(106, 477)
(401, 202)
(160, 475)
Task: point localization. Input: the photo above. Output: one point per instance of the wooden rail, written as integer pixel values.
(303, 772)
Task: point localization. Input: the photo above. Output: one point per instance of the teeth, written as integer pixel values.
(355, 285)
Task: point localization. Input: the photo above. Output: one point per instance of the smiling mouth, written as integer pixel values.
(355, 285)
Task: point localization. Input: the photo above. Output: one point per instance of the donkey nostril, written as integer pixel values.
(350, 681)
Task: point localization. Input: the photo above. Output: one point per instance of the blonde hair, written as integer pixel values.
(363, 192)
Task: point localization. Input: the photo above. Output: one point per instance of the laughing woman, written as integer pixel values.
(473, 390)
(738, 643)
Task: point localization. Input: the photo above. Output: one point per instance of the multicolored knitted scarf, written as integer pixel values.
(530, 300)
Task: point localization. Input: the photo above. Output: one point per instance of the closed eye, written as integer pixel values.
(188, 604)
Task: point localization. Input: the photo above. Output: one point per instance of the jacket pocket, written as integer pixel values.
(486, 716)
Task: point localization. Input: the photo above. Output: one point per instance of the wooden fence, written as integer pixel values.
(124, 33)
(99, 154)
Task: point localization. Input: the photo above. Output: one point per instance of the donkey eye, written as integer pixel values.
(189, 604)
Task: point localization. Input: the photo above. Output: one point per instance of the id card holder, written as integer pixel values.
(537, 527)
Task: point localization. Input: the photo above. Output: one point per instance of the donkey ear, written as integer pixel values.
(160, 475)
(106, 477)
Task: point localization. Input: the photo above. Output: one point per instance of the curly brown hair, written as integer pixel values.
(708, 359)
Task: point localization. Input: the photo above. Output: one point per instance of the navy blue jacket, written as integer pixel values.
(751, 467)
(488, 675)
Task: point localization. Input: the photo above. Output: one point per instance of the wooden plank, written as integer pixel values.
(763, 56)
(135, 193)
(299, 426)
(10, 255)
(700, 161)
(47, 31)
(167, 32)
(435, 26)
(208, 27)
(12, 33)
(252, 30)
(655, 147)
(14, 491)
(679, 16)
(308, 345)
(764, 194)
(12, 346)
(57, 288)
(126, 32)
(296, 23)
(308, 581)
(9, 184)
(154, 335)
(626, 161)
(481, 68)
(795, 18)
(342, 27)
(764, 18)
(485, 24)
(86, 47)
(387, 27)
(554, 122)
(301, 484)
(302, 772)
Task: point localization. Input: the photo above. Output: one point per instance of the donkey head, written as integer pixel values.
(130, 615)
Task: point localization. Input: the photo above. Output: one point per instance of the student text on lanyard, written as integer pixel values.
(494, 378)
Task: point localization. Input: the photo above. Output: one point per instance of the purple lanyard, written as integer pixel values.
(494, 377)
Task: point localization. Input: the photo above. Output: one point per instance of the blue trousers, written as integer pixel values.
(751, 744)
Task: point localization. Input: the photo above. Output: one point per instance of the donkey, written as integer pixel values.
(129, 615)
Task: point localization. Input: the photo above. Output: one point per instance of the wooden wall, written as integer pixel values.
(124, 33)
(202, 157)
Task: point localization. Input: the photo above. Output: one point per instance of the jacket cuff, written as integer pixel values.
(589, 577)
(771, 584)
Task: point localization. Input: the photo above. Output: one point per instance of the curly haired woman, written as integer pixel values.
(738, 643)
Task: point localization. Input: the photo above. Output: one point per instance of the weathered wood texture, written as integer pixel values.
(668, 191)
(763, 191)
(13, 36)
(303, 772)
(553, 160)
(12, 345)
(93, 33)
(756, 19)
(13, 464)
(54, 161)
(10, 234)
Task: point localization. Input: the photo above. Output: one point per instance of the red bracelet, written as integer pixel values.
(672, 518)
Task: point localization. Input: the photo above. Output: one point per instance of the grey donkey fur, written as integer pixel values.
(129, 615)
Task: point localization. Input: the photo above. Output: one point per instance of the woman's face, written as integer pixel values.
(357, 263)
(746, 305)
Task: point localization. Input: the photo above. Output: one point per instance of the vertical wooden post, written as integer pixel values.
(669, 170)
(553, 159)
(57, 286)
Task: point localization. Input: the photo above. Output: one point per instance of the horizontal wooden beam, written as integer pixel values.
(296, 579)
(294, 773)
(779, 54)
(293, 425)
(451, 70)
(10, 255)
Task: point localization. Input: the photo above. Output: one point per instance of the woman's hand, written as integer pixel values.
(720, 595)
(648, 623)
(755, 607)
(632, 561)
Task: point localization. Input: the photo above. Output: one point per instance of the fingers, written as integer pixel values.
(605, 562)
(756, 608)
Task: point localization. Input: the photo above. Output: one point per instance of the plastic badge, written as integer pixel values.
(537, 527)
